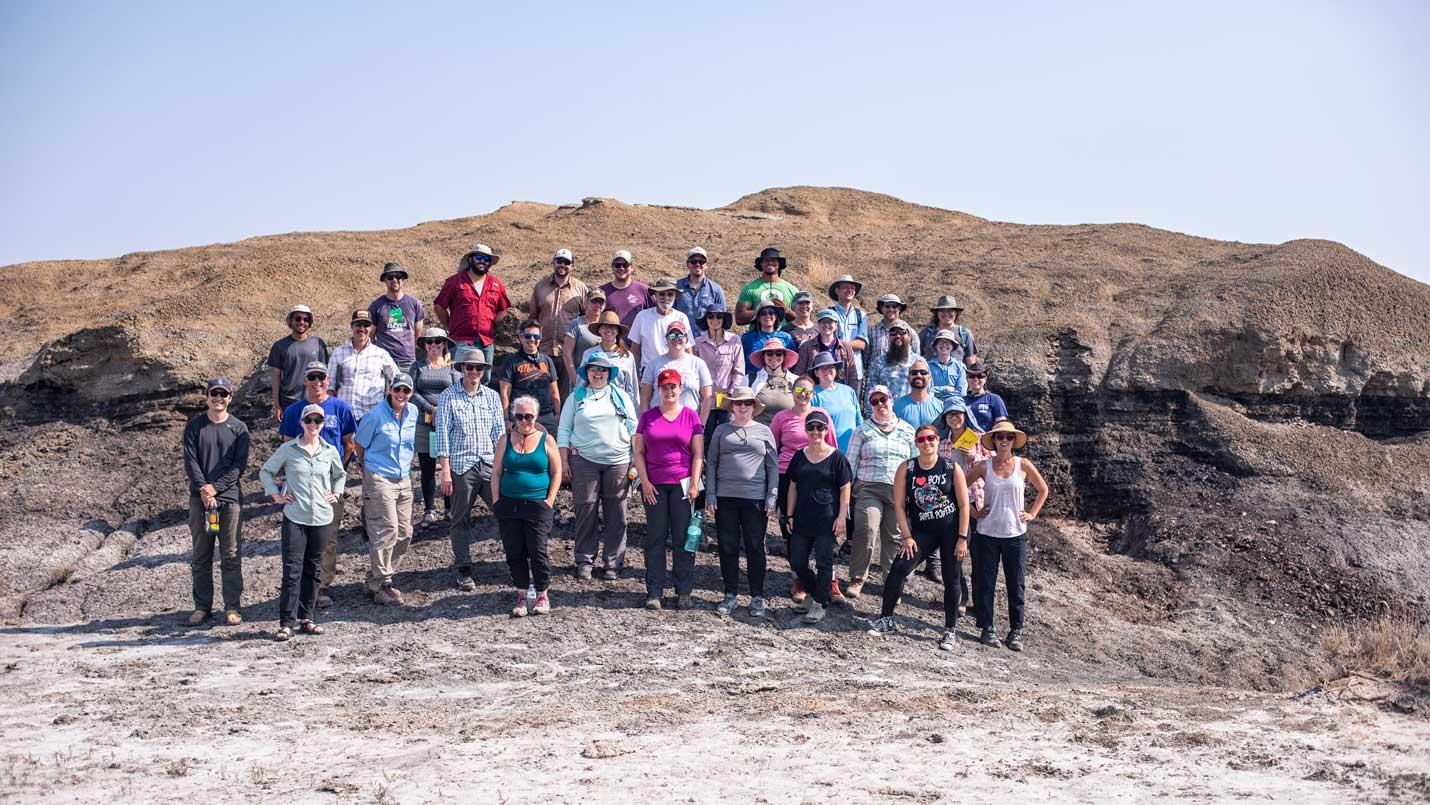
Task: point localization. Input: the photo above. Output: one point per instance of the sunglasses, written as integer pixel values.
(401, 390)
(362, 325)
(481, 258)
(472, 367)
(619, 264)
(696, 261)
(561, 261)
(898, 333)
(218, 393)
(803, 390)
(917, 372)
(531, 336)
(597, 369)
(769, 313)
(427, 342)
(317, 376)
(304, 319)
(879, 401)
(312, 420)
(393, 278)
(742, 403)
(816, 427)
(926, 439)
(1003, 437)
(524, 417)
(675, 336)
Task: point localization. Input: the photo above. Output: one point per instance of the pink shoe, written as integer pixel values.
(519, 611)
(543, 603)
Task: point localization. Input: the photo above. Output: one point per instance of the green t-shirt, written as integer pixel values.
(759, 291)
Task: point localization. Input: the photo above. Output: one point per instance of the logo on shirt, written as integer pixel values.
(396, 319)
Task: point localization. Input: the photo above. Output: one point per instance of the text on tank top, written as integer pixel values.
(929, 497)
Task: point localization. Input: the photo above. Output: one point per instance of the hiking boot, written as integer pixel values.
(518, 609)
(232, 618)
(583, 572)
(1015, 640)
(197, 616)
(987, 638)
(684, 602)
(932, 572)
(757, 607)
(853, 589)
(835, 596)
(611, 574)
(882, 626)
(429, 519)
(815, 613)
(324, 600)
(652, 604)
(543, 603)
(465, 583)
(949, 641)
(797, 593)
(727, 604)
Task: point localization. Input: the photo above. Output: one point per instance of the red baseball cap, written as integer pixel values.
(676, 325)
(668, 376)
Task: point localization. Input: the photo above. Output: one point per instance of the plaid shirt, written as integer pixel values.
(876, 455)
(893, 375)
(879, 340)
(467, 427)
(360, 378)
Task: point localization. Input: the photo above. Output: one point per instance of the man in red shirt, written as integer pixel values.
(472, 300)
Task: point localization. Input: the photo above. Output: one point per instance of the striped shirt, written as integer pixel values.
(467, 427)
(360, 378)
(876, 455)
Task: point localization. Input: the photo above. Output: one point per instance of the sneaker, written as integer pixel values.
(429, 519)
(611, 574)
(797, 593)
(465, 583)
(835, 596)
(882, 626)
(757, 607)
(543, 604)
(684, 602)
(1015, 640)
(727, 604)
(518, 610)
(987, 638)
(383, 598)
(853, 589)
(393, 593)
(324, 600)
(197, 616)
(803, 606)
(932, 572)
(815, 613)
(232, 618)
(652, 604)
(583, 572)
(949, 641)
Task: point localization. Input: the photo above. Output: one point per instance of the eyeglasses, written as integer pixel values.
(218, 393)
(524, 417)
(427, 342)
(675, 336)
(472, 367)
(312, 420)
(401, 390)
(879, 401)
(917, 372)
(362, 325)
(620, 264)
(1003, 437)
(597, 369)
(696, 261)
(317, 376)
(561, 261)
(769, 313)
(303, 319)
(531, 336)
(925, 439)
(742, 403)
(803, 390)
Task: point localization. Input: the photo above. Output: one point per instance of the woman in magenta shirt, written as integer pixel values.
(788, 428)
(668, 450)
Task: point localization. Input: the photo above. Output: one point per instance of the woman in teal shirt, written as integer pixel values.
(525, 477)
(313, 477)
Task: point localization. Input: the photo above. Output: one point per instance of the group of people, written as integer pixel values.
(859, 432)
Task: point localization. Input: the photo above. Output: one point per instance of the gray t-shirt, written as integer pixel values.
(394, 326)
(580, 331)
(291, 357)
(743, 462)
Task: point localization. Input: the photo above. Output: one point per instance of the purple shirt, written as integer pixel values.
(628, 301)
(667, 444)
(394, 326)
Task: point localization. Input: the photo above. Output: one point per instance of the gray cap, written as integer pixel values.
(219, 383)
(401, 380)
(802, 296)
(315, 366)
(899, 324)
(827, 314)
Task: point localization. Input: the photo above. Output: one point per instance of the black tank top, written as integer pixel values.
(928, 496)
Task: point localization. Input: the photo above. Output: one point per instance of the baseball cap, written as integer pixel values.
(668, 376)
(316, 366)
(827, 314)
(816, 416)
(596, 293)
(360, 315)
(802, 296)
(219, 383)
(695, 251)
(623, 255)
(401, 380)
(299, 309)
(677, 325)
(311, 409)
(884, 390)
(563, 254)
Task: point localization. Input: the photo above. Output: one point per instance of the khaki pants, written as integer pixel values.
(874, 520)
(388, 505)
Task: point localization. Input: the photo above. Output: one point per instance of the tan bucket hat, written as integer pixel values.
(742, 394)
(1003, 426)
(611, 317)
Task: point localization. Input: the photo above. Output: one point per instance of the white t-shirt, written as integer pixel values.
(648, 330)
(693, 374)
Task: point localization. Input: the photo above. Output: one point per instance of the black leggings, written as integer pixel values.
(428, 465)
(942, 539)
(740, 522)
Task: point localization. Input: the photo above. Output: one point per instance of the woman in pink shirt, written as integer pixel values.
(668, 451)
(788, 428)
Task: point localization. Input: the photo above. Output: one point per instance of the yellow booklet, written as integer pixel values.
(966, 440)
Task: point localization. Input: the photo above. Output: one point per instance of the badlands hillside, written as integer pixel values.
(1236, 435)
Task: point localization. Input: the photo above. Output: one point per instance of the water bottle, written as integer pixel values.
(211, 523)
(531, 594)
(695, 531)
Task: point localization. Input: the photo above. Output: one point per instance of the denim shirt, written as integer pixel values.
(387, 443)
(694, 303)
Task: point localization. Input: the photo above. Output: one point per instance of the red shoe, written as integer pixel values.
(797, 593)
(836, 597)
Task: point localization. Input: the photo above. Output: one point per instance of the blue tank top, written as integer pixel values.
(525, 476)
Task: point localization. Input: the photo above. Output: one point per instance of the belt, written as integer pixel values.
(397, 479)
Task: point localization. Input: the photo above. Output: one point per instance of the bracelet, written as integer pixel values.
(963, 536)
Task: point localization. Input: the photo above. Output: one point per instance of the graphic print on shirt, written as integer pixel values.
(929, 496)
(396, 320)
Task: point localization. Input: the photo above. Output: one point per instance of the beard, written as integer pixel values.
(898, 353)
(919, 382)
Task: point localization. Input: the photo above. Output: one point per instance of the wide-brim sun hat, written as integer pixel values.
(956, 405)
(775, 345)
(470, 354)
(768, 253)
(946, 302)
(779, 311)
(298, 309)
(393, 270)
(664, 284)
(483, 249)
(742, 394)
(890, 298)
(724, 314)
(610, 317)
(438, 332)
(840, 280)
(824, 359)
(603, 360)
(1004, 426)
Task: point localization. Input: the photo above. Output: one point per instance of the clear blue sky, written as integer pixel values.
(143, 126)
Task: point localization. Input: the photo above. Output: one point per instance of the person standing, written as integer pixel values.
(386, 440)
(960, 444)
(801, 319)
(595, 440)
(697, 385)
(469, 422)
(290, 354)
(432, 374)
(697, 293)
(580, 336)
(533, 374)
(882, 442)
(984, 406)
(624, 294)
(338, 428)
(668, 450)
(358, 371)
(397, 317)
(742, 479)
(556, 301)
(1002, 535)
(774, 382)
(918, 407)
(946, 314)
(766, 326)
(769, 288)
(891, 369)
(722, 351)
(949, 378)
(853, 321)
(836, 398)
(891, 308)
(787, 426)
(215, 457)
(827, 341)
(819, 478)
(650, 326)
(473, 300)
(931, 505)
(613, 346)
(524, 484)
(313, 481)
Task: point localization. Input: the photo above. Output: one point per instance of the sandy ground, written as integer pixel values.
(450, 699)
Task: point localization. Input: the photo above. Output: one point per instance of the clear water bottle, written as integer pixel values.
(531, 593)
